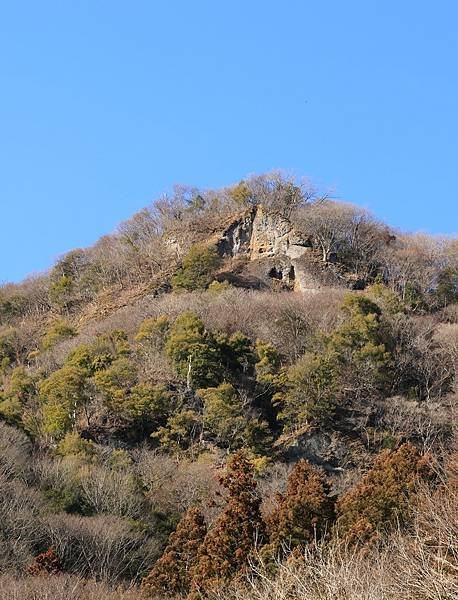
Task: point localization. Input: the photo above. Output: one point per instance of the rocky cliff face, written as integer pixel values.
(284, 254)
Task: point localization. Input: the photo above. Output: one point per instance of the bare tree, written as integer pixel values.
(100, 547)
(333, 227)
(412, 263)
(280, 192)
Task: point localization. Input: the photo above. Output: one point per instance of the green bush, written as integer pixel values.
(194, 352)
(311, 389)
(447, 286)
(7, 348)
(19, 390)
(153, 332)
(228, 420)
(11, 306)
(74, 445)
(56, 333)
(351, 363)
(237, 354)
(268, 365)
(181, 431)
(116, 379)
(60, 293)
(198, 269)
(143, 404)
(62, 394)
(361, 346)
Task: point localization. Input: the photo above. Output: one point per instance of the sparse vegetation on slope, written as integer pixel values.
(241, 393)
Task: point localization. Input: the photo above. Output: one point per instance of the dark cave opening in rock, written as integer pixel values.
(292, 274)
(275, 273)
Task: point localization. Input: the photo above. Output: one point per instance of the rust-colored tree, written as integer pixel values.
(384, 497)
(171, 573)
(46, 563)
(236, 533)
(303, 513)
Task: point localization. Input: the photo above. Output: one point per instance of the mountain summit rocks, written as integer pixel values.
(261, 235)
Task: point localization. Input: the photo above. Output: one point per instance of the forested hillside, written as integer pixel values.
(240, 393)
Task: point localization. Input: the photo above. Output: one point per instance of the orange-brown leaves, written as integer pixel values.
(384, 496)
(228, 545)
(171, 573)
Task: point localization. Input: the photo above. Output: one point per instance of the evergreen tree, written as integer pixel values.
(171, 573)
(310, 391)
(241, 195)
(237, 354)
(226, 419)
(181, 431)
(62, 394)
(353, 363)
(447, 286)
(153, 332)
(8, 355)
(194, 352)
(361, 347)
(238, 530)
(385, 495)
(198, 268)
(268, 367)
(60, 330)
(19, 389)
(303, 512)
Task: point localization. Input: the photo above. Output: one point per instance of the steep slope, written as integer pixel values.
(295, 335)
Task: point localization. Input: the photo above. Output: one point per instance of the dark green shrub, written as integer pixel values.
(198, 269)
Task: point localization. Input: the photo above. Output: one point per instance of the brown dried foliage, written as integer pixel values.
(171, 573)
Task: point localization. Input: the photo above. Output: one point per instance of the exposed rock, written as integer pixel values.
(259, 235)
(328, 449)
(236, 239)
(273, 235)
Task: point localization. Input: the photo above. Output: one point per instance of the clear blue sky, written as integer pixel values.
(105, 104)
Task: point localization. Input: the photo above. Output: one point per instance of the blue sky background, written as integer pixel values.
(105, 104)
